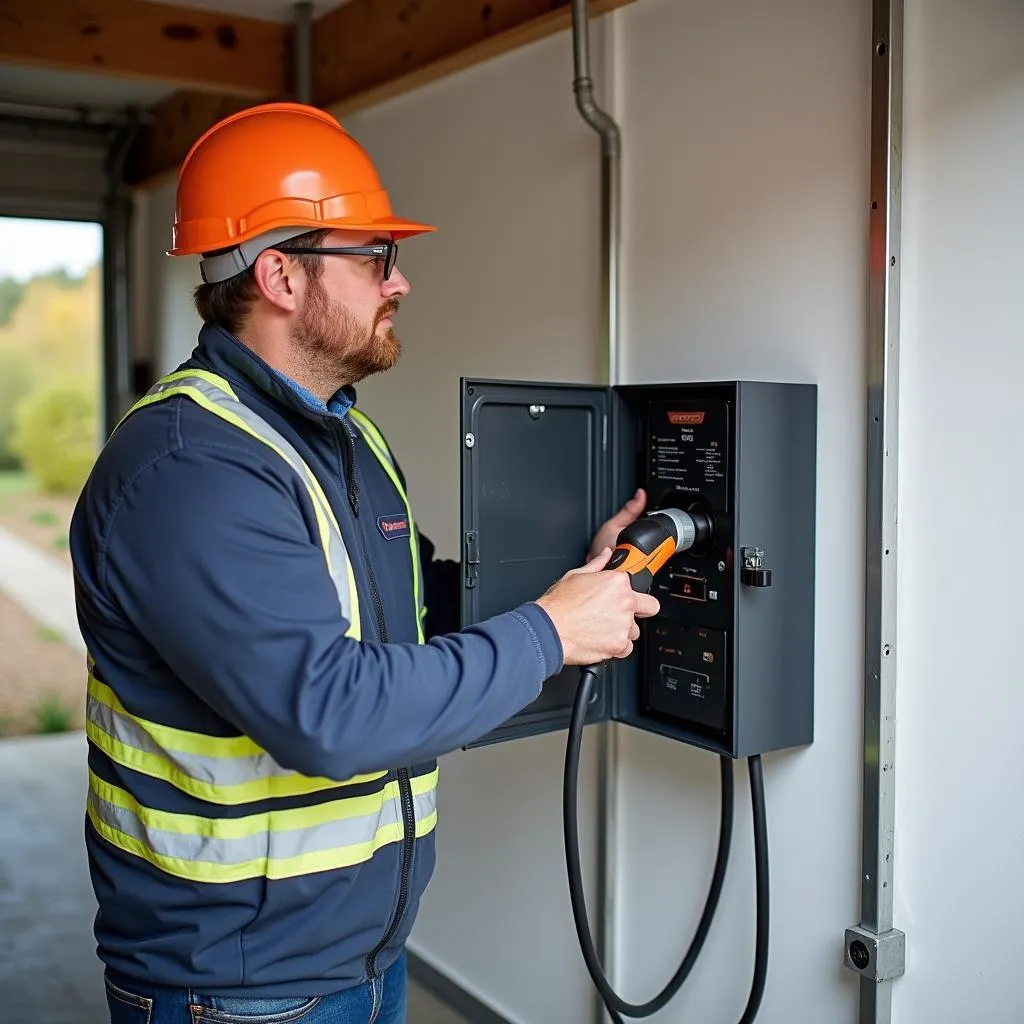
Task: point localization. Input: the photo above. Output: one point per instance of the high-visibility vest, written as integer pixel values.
(337, 831)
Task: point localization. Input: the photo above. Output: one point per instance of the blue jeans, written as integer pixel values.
(379, 1002)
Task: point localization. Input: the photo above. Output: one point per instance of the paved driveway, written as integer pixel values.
(49, 973)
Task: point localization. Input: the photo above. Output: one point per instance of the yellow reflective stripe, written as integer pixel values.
(379, 447)
(371, 428)
(177, 739)
(205, 767)
(287, 819)
(303, 864)
(278, 844)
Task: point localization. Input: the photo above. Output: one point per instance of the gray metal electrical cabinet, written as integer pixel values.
(728, 664)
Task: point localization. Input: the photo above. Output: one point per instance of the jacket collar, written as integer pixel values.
(221, 352)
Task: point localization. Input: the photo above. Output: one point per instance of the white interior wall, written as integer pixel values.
(959, 831)
(746, 170)
(167, 313)
(745, 256)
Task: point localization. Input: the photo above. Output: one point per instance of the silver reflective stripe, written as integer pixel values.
(337, 560)
(269, 844)
(213, 771)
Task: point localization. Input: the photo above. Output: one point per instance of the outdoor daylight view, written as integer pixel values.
(50, 397)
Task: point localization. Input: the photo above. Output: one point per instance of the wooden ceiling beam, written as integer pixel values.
(363, 53)
(372, 50)
(190, 48)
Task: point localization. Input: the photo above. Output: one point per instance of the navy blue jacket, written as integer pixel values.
(204, 599)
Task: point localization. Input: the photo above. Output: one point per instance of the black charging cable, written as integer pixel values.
(570, 818)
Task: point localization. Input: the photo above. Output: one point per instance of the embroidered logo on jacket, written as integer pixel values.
(393, 527)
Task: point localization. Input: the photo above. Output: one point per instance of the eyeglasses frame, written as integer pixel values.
(388, 251)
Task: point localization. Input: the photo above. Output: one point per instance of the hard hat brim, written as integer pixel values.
(397, 227)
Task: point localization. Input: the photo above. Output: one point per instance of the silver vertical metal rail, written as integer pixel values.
(875, 949)
(611, 190)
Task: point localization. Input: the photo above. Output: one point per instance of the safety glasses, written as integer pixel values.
(387, 252)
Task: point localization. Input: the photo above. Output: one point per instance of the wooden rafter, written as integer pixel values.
(196, 49)
(368, 51)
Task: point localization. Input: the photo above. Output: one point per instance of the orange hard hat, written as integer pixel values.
(271, 172)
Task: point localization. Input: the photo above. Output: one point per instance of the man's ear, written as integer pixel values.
(278, 279)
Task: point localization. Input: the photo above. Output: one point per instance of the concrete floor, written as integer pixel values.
(49, 973)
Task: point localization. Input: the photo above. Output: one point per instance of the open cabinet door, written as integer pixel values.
(534, 491)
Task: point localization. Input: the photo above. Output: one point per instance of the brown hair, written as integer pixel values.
(227, 303)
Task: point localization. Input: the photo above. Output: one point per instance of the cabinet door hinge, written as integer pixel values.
(471, 557)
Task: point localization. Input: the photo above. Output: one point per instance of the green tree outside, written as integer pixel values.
(50, 377)
(55, 435)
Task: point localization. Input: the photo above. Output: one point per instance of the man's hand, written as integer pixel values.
(609, 532)
(595, 612)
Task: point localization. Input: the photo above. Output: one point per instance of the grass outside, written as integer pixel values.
(42, 680)
(41, 519)
(14, 481)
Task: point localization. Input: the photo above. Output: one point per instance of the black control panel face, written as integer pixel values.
(688, 465)
(688, 450)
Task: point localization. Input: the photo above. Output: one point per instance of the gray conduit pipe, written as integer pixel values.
(602, 123)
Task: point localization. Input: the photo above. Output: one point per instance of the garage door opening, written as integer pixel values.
(51, 414)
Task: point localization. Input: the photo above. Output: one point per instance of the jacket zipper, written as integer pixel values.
(404, 785)
(408, 839)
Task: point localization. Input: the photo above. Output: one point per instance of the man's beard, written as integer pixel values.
(335, 348)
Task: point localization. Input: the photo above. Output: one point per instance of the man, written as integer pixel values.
(264, 713)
